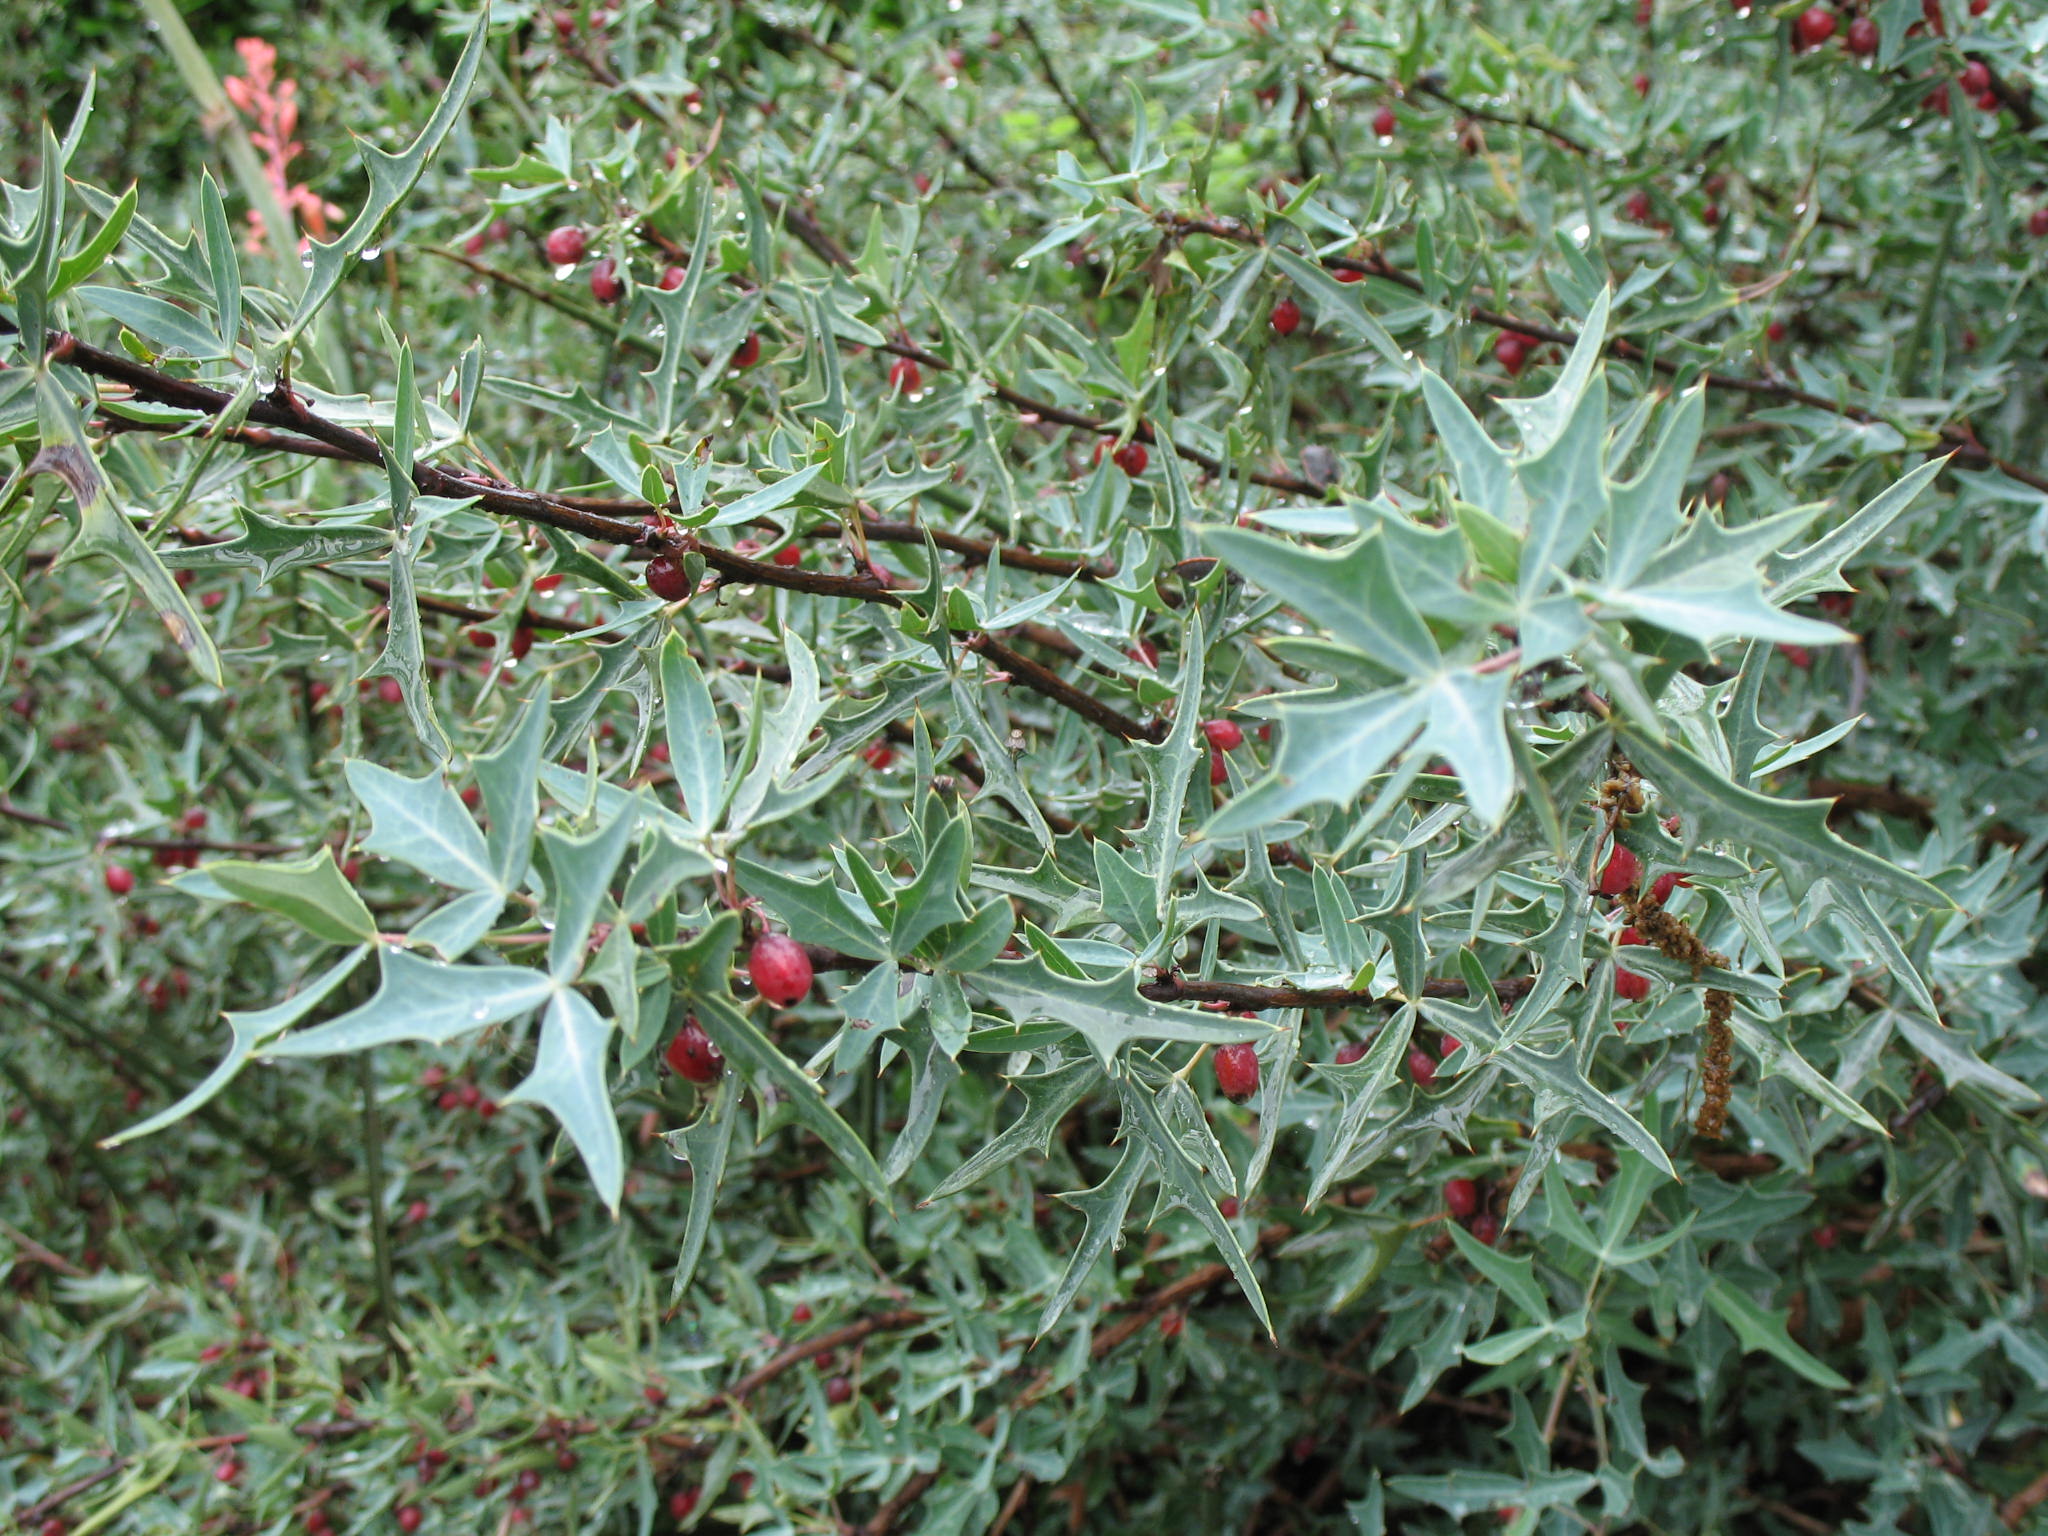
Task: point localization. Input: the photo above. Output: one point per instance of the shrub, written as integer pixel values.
(1260, 771)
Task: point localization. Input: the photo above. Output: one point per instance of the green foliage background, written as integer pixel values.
(1751, 525)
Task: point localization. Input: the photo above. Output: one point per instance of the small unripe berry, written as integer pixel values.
(904, 377)
(1349, 1051)
(1131, 459)
(1224, 735)
(120, 879)
(565, 246)
(1511, 352)
(693, 1055)
(605, 283)
(1286, 317)
(1237, 1070)
(1422, 1067)
(749, 352)
(1383, 122)
(780, 969)
(667, 579)
(1623, 870)
(1461, 1197)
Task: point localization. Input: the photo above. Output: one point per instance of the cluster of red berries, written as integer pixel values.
(161, 992)
(567, 245)
(1131, 458)
(1421, 1065)
(451, 1095)
(1223, 736)
(1462, 1201)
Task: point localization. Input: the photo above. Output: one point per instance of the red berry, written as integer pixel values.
(566, 1459)
(1131, 459)
(904, 377)
(1623, 870)
(1237, 1070)
(526, 1483)
(1349, 1051)
(1664, 885)
(1286, 317)
(1816, 24)
(1988, 102)
(684, 1504)
(351, 870)
(693, 1055)
(1259, 22)
(1219, 771)
(1224, 735)
(800, 1313)
(120, 879)
(1826, 1236)
(1170, 1324)
(1383, 124)
(227, 1471)
(605, 283)
(195, 819)
(1637, 207)
(1979, 7)
(749, 352)
(1862, 38)
(878, 755)
(1486, 1227)
(667, 579)
(1228, 1207)
(1642, 84)
(1461, 1197)
(655, 1393)
(1798, 655)
(473, 796)
(1975, 78)
(564, 247)
(1936, 100)
(1629, 986)
(789, 555)
(1511, 352)
(2037, 223)
(671, 279)
(389, 691)
(547, 583)
(1775, 330)
(838, 1390)
(1711, 215)
(1146, 653)
(780, 969)
(416, 1213)
(522, 642)
(408, 1517)
(1422, 1067)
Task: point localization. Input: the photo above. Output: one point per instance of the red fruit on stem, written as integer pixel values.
(1383, 125)
(838, 1390)
(671, 279)
(1665, 884)
(1711, 215)
(1979, 7)
(1630, 987)
(1826, 1236)
(1775, 330)
(120, 879)
(1816, 24)
(1642, 84)
(1486, 1227)
(1286, 317)
(780, 969)
(564, 247)
(389, 690)
(1145, 652)
(1349, 1051)
(1131, 459)
(1259, 22)
(1936, 100)
(1862, 39)
(1623, 870)
(522, 642)
(693, 1055)
(800, 1313)
(1422, 1067)
(1219, 770)
(1461, 1197)
(904, 377)
(1170, 1324)
(749, 352)
(684, 1504)
(195, 819)
(667, 579)
(878, 755)
(605, 283)
(1224, 735)
(1511, 352)
(2037, 223)
(1798, 655)
(566, 1459)
(526, 1483)
(1975, 78)
(788, 555)
(1228, 1207)
(408, 1517)
(1988, 102)
(472, 796)
(1237, 1070)
(1637, 206)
